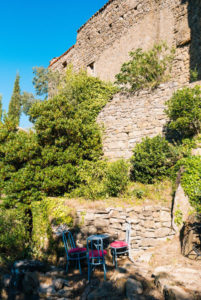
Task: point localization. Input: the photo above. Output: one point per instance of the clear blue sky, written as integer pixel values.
(32, 32)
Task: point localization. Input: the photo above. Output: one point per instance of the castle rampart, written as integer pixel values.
(103, 44)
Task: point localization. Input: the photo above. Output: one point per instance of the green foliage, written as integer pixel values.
(152, 159)
(146, 69)
(45, 78)
(194, 74)
(13, 237)
(28, 100)
(19, 152)
(91, 175)
(116, 177)
(184, 112)
(48, 213)
(67, 131)
(178, 217)
(14, 109)
(191, 179)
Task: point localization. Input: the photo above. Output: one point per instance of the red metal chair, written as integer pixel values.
(121, 247)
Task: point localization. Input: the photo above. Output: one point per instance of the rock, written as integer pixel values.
(105, 291)
(133, 287)
(58, 284)
(191, 236)
(121, 284)
(30, 283)
(23, 266)
(6, 280)
(145, 257)
(176, 293)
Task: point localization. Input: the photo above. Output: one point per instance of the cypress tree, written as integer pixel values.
(14, 109)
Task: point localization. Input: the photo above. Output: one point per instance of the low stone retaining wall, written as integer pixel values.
(150, 224)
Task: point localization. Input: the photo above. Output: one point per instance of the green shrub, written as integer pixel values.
(152, 159)
(145, 69)
(13, 237)
(184, 112)
(117, 178)
(191, 179)
(91, 176)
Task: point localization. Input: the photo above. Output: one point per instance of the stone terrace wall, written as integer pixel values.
(150, 225)
(121, 26)
(129, 118)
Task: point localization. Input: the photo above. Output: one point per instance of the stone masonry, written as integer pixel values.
(103, 44)
(129, 118)
(150, 225)
(105, 40)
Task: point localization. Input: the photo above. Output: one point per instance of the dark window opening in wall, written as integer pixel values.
(99, 31)
(110, 25)
(64, 64)
(91, 68)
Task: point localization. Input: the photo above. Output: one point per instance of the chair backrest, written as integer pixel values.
(68, 241)
(128, 233)
(95, 248)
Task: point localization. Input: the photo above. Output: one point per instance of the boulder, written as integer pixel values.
(133, 288)
(30, 283)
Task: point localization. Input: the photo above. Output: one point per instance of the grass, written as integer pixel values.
(137, 194)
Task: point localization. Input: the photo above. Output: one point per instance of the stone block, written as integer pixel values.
(116, 225)
(149, 224)
(149, 234)
(162, 232)
(165, 216)
(149, 242)
(114, 214)
(101, 223)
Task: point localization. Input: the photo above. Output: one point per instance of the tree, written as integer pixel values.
(67, 130)
(1, 109)
(14, 109)
(184, 112)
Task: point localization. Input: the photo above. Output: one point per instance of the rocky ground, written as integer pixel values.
(160, 273)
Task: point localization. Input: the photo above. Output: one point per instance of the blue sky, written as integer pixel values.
(32, 32)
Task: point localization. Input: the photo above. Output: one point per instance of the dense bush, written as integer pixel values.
(117, 178)
(91, 176)
(13, 236)
(152, 159)
(184, 112)
(145, 69)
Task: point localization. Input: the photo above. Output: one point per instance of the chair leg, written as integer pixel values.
(80, 266)
(67, 266)
(89, 271)
(115, 255)
(104, 268)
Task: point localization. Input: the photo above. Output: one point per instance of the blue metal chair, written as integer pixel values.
(73, 253)
(121, 247)
(95, 254)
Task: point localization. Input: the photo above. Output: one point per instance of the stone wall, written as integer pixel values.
(150, 225)
(129, 118)
(104, 41)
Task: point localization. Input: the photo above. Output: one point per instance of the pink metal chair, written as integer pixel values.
(73, 253)
(121, 247)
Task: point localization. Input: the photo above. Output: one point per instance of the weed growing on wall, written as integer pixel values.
(146, 69)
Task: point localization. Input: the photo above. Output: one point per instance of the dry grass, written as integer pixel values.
(137, 194)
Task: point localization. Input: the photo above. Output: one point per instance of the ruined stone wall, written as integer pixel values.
(129, 118)
(103, 43)
(149, 225)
